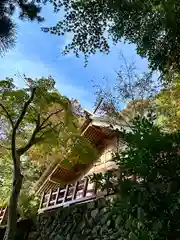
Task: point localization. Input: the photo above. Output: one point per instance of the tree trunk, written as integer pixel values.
(12, 207)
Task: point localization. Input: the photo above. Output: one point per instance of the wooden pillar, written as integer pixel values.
(42, 200)
(75, 190)
(57, 195)
(49, 198)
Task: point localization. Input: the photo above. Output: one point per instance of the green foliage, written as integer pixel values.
(106, 182)
(28, 204)
(36, 121)
(81, 150)
(148, 208)
(152, 25)
(31, 172)
(5, 176)
(7, 29)
(168, 106)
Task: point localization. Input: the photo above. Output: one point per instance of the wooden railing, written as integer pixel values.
(81, 191)
(3, 215)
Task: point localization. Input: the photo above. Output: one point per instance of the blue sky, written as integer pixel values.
(39, 54)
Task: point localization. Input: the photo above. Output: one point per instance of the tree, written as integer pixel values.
(168, 106)
(27, 10)
(152, 25)
(147, 207)
(132, 94)
(31, 172)
(141, 93)
(153, 201)
(34, 116)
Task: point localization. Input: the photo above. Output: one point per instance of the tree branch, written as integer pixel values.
(13, 139)
(53, 128)
(24, 149)
(50, 115)
(1, 146)
(24, 110)
(45, 126)
(33, 140)
(7, 114)
(130, 78)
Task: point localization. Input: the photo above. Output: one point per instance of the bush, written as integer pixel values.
(148, 208)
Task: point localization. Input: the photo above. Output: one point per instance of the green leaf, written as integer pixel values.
(132, 236)
(157, 226)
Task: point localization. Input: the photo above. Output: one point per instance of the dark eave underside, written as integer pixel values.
(57, 174)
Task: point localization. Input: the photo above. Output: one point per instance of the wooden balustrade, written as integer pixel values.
(81, 191)
(3, 215)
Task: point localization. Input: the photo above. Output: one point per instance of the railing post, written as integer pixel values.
(1, 215)
(85, 186)
(95, 188)
(1, 211)
(57, 195)
(42, 199)
(75, 190)
(66, 193)
(49, 198)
